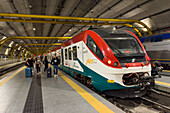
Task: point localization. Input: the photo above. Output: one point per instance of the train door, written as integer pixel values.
(80, 52)
(62, 57)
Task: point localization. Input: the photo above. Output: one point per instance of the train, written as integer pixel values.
(158, 48)
(113, 62)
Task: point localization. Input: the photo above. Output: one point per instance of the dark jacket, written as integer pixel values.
(30, 62)
(55, 61)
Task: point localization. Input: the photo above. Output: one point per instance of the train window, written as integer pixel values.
(66, 54)
(152, 39)
(158, 39)
(147, 40)
(94, 48)
(75, 53)
(69, 53)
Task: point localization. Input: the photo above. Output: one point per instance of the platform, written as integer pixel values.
(163, 83)
(63, 94)
(165, 73)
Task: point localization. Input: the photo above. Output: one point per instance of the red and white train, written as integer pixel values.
(112, 61)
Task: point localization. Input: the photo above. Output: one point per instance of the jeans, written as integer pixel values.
(38, 68)
(55, 69)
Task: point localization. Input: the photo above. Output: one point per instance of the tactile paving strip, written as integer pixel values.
(34, 102)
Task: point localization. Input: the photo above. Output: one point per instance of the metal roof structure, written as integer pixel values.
(154, 13)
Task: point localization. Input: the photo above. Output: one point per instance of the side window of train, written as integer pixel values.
(66, 54)
(69, 53)
(152, 39)
(75, 53)
(94, 48)
(147, 40)
(158, 39)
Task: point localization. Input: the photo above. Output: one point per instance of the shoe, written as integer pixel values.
(55, 75)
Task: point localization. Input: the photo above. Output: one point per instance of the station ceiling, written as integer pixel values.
(154, 13)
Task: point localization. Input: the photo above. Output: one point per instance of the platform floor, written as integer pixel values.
(163, 83)
(63, 94)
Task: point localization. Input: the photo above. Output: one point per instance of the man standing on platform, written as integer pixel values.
(55, 62)
(30, 63)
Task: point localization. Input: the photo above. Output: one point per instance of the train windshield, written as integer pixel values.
(123, 45)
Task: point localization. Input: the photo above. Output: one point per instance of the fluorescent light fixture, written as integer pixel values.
(7, 51)
(10, 45)
(3, 37)
(19, 48)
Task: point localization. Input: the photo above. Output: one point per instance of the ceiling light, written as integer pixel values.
(34, 29)
(10, 45)
(4, 37)
(30, 6)
(114, 28)
(69, 29)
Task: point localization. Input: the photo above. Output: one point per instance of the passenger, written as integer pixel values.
(30, 63)
(38, 65)
(45, 63)
(55, 62)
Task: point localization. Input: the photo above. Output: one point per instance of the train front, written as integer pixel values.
(131, 68)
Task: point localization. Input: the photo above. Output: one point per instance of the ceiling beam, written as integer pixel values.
(12, 51)
(9, 17)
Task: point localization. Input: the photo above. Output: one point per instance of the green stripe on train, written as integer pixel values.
(98, 81)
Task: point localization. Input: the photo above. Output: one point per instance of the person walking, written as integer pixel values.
(38, 65)
(30, 63)
(45, 63)
(55, 62)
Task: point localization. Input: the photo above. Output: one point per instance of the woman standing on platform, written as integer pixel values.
(38, 65)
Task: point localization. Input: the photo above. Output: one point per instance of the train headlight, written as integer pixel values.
(109, 62)
(115, 64)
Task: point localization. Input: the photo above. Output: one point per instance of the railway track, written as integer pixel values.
(147, 104)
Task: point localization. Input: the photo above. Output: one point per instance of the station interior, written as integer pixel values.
(84, 56)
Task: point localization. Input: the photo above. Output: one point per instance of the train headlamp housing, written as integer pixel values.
(110, 62)
(147, 62)
(115, 64)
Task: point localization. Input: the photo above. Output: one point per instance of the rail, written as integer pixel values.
(5, 61)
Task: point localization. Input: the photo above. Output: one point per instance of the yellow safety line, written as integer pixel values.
(163, 83)
(6, 80)
(165, 70)
(100, 107)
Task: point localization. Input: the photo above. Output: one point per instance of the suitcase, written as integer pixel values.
(49, 72)
(28, 72)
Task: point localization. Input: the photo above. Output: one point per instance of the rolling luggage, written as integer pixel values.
(28, 72)
(49, 72)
